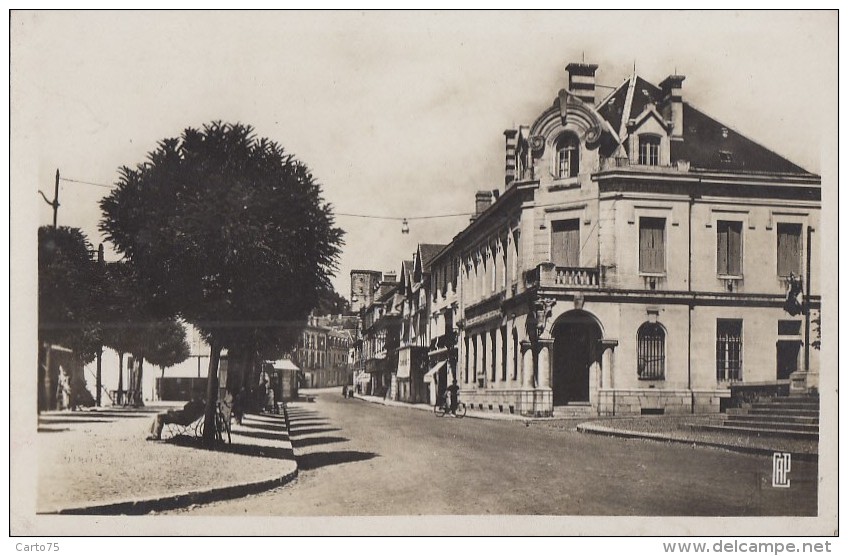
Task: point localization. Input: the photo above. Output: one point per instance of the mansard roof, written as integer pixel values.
(707, 143)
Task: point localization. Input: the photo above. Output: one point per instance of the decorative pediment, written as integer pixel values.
(649, 113)
(567, 112)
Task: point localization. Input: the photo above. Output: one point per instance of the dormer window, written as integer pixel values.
(649, 150)
(567, 156)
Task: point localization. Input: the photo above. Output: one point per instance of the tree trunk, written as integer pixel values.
(138, 400)
(120, 378)
(99, 385)
(161, 383)
(211, 394)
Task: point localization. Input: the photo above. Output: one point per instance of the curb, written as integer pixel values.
(184, 499)
(472, 414)
(606, 431)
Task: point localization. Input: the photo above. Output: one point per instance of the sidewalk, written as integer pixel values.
(666, 428)
(98, 462)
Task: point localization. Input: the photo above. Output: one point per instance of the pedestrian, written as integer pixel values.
(453, 390)
(344, 391)
(190, 412)
(63, 392)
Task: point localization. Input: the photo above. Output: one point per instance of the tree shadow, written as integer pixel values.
(43, 429)
(74, 421)
(273, 452)
(318, 440)
(263, 426)
(295, 431)
(315, 460)
(281, 436)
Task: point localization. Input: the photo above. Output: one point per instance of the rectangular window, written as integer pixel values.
(494, 346)
(504, 346)
(788, 249)
(728, 349)
(565, 242)
(466, 359)
(652, 245)
(729, 248)
(649, 150)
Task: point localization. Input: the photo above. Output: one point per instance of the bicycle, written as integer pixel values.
(443, 409)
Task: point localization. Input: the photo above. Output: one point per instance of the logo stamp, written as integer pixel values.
(781, 465)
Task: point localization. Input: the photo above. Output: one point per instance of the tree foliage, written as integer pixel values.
(229, 232)
(68, 290)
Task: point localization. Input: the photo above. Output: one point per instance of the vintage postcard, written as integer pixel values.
(424, 273)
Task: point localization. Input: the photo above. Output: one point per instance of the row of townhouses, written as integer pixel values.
(637, 261)
(323, 351)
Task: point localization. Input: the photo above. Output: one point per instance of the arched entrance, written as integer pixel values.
(576, 335)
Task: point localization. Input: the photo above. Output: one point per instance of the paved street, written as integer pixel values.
(359, 458)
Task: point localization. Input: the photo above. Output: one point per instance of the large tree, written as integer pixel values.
(69, 287)
(228, 231)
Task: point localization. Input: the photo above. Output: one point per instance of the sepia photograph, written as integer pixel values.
(452, 273)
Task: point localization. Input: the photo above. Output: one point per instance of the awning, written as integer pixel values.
(435, 369)
(363, 378)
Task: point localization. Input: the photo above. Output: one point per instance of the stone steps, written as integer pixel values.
(574, 410)
(789, 416)
(758, 431)
(773, 418)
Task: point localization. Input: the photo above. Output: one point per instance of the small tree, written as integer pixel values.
(167, 345)
(229, 232)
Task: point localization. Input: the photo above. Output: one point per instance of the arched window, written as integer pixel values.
(567, 156)
(649, 150)
(650, 340)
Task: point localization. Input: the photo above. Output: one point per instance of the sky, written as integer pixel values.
(398, 114)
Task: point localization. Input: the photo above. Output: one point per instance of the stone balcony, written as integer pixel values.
(573, 277)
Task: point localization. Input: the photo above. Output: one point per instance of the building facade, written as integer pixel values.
(637, 262)
(323, 352)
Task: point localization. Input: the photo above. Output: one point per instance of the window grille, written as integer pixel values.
(651, 351)
(728, 350)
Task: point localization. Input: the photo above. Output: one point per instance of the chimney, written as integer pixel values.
(581, 81)
(483, 200)
(672, 90)
(510, 173)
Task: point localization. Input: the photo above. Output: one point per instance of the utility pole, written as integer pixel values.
(807, 303)
(100, 349)
(55, 202)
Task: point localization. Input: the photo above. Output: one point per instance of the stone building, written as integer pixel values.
(323, 352)
(637, 262)
(380, 336)
(415, 338)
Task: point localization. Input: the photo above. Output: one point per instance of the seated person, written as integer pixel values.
(190, 412)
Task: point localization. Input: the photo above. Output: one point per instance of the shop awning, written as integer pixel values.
(433, 370)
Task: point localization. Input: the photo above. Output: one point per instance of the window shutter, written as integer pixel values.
(721, 254)
(734, 248)
(788, 249)
(565, 243)
(652, 245)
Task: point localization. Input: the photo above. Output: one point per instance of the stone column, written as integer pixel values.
(497, 356)
(607, 362)
(527, 364)
(545, 345)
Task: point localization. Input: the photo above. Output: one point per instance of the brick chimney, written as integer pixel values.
(672, 103)
(581, 81)
(483, 200)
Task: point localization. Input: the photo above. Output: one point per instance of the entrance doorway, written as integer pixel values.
(576, 336)
(787, 358)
